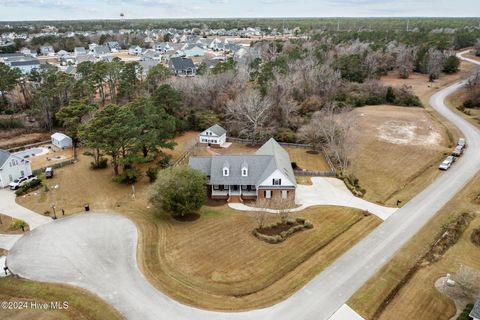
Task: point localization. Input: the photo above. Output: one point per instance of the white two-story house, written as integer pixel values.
(214, 136)
(12, 167)
(266, 174)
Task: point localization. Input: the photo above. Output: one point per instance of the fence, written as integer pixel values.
(311, 173)
(185, 155)
(55, 165)
(28, 146)
(297, 145)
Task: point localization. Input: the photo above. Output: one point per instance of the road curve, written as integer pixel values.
(97, 252)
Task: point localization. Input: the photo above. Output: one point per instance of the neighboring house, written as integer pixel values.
(162, 47)
(214, 136)
(12, 167)
(100, 51)
(182, 66)
(152, 55)
(113, 46)
(85, 57)
(475, 313)
(135, 50)
(193, 51)
(61, 140)
(78, 51)
(26, 51)
(267, 174)
(47, 51)
(25, 65)
(91, 47)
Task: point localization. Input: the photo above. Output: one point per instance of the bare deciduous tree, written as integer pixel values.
(405, 60)
(332, 127)
(434, 63)
(249, 113)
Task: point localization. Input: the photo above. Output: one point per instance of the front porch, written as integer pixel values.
(233, 192)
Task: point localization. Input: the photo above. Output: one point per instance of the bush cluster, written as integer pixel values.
(128, 176)
(297, 225)
(353, 184)
(102, 164)
(11, 124)
(17, 224)
(475, 237)
(29, 186)
(465, 315)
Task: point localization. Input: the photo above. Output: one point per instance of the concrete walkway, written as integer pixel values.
(8, 240)
(327, 191)
(9, 207)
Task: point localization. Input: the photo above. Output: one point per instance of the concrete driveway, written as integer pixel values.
(9, 207)
(328, 192)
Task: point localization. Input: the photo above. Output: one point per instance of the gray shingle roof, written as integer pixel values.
(282, 159)
(4, 155)
(475, 313)
(180, 63)
(270, 157)
(218, 130)
(25, 63)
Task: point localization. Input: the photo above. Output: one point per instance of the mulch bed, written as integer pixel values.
(277, 229)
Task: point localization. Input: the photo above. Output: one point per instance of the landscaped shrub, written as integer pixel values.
(152, 174)
(164, 161)
(17, 224)
(353, 184)
(475, 237)
(465, 315)
(29, 186)
(102, 164)
(128, 176)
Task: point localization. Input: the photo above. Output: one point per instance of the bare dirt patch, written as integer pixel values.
(408, 133)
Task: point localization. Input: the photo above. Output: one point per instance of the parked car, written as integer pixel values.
(461, 143)
(447, 163)
(48, 173)
(17, 183)
(457, 152)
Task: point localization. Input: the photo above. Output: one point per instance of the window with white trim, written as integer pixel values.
(267, 194)
(284, 194)
(277, 182)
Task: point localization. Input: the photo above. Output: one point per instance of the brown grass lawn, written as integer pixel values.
(184, 143)
(214, 262)
(397, 152)
(82, 304)
(47, 159)
(419, 299)
(18, 137)
(6, 226)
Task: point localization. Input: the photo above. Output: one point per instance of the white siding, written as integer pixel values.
(214, 139)
(15, 171)
(277, 175)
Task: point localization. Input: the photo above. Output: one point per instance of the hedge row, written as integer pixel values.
(29, 186)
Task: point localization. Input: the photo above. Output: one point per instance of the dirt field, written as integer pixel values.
(419, 299)
(397, 152)
(82, 304)
(214, 262)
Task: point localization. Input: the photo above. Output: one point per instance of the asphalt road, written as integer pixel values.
(97, 252)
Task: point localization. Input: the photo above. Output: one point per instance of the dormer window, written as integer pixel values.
(244, 169)
(226, 169)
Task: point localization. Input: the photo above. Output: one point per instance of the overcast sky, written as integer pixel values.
(97, 9)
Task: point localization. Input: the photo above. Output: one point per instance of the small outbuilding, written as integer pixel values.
(61, 140)
(214, 136)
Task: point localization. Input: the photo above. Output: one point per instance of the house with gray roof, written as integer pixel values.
(47, 51)
(182, 66)
(12, 167)
(215, 136)
(475, 313)
(267, 174)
